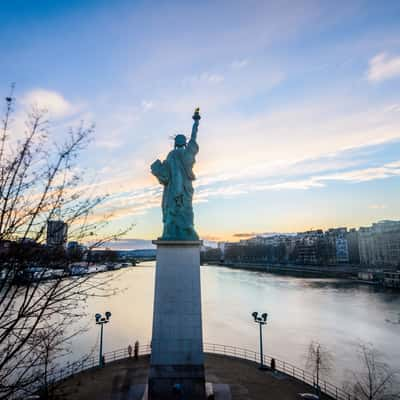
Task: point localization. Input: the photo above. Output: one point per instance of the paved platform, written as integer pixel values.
(125, 380)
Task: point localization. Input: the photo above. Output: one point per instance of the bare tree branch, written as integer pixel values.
(37, 184)
(375, 380)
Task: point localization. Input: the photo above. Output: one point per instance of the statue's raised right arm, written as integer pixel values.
(196, 117)
(194, 130)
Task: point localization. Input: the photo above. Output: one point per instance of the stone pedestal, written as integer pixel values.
(177, 341)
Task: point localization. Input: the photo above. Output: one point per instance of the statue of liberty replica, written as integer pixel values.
(176, 175)
(177, 361)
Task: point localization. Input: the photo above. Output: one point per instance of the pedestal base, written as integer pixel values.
(177, 366)
(171, 382)
(213, 391)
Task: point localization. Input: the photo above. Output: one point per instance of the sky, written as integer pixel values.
(300, 104)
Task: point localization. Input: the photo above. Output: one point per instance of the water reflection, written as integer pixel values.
(337, 313)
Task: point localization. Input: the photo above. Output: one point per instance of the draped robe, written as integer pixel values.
(176, 175)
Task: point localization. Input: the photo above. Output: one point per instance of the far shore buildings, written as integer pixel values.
(57, 233)
(377, 246)
(380, 244)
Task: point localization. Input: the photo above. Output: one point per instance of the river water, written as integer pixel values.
(336, 313)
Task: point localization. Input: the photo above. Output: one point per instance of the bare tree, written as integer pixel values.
(48, 345)
(39, 183)
(376, 379)
(319, 362)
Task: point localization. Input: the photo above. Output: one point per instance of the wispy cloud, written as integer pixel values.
(230, 189)
(204, 77)
(393, 108)
(363, 175)
(303, 184)
(129, 200)
(211, 238)
(383, 67)
(246, 234)
(109, 143)
(147, 105)
(239, 64)
(377, 206)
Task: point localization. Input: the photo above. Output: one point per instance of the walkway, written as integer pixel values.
(116, 381)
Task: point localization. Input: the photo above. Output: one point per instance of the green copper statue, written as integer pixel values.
(176, 175)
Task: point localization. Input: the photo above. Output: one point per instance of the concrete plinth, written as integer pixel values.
(177, 362)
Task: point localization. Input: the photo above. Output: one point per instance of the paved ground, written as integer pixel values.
(124, 379)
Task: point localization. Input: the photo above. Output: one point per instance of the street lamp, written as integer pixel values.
(261, 321)
(100, 320)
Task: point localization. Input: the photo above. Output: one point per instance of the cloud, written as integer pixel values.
(246, 234)
(111, 143)
(129, 198)
(393, 108)
(226, 188)
(211, 238)
(53, 102)
(377, 206)
(366, 174)
(239, 64)
(393, 164)
(204, 77)
(304, 184)
(147, 105)
(383, 67)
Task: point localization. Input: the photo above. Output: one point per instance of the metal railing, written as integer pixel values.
(281, 366)
(87, 363)
(284, 367)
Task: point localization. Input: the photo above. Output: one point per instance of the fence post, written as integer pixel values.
(294, 374)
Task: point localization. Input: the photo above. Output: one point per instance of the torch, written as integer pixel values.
(196, 115)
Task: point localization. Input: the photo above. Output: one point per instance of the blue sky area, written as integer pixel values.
(300, 104)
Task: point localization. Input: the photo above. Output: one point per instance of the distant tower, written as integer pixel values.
(57, 234)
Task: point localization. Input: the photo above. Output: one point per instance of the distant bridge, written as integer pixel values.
(145, 258)
(139, 255)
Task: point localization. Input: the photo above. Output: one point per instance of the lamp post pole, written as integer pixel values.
(100, 320)
(261, 321)
(261, 348)
(101, 346)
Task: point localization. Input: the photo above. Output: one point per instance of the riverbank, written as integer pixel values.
(351, 273)
(42, 274)
(304, 271)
